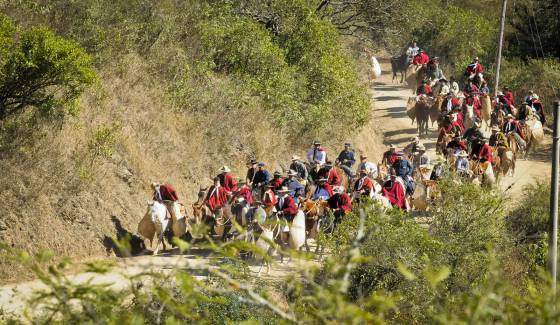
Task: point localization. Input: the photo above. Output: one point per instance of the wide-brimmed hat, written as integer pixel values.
(295, 157)
(392, 146)
(500, 93)
(258, 202)
(363, 156)
(253, 161)
(415, 139)
(283, 189)
(462, 153)
(535, 96)
(509, 116)
(316, 142)
(495, 128)
(320, 180)
(476, 58)
(400, 154)
(261, 164)
(292, 172)
(347, 144)
(155, 185)
(225, 169)
(277, 173)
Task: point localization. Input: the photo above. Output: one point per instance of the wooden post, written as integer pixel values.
(500, 46)
(553, 229)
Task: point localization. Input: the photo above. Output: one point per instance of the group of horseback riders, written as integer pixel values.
(462, 112)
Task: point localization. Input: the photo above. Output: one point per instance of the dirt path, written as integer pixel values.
(389, 119)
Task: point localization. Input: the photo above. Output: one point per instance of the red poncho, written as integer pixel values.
(340, 201)
(216, 197)
(246, 194)
(288, 205)
(421, 58)
(227, 182)
(269, 199)
(333, 178)
(276, 182)
(167, 193)
(394, 191)
(486, 153)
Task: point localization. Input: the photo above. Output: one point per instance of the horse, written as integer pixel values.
(314, 211)
(534, 134)
(468, 116)
(345, 180)
(497, 118)
(486, 109)
(435, 110)
(483, 173)
(505, 161)
(375, 68)
(399, 63)
(411, 108)
(415, 76)
(294, 233)
(422, 109)
(156, 222)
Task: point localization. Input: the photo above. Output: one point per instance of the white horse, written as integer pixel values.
(266, 237)
(297, 231)
(468, 118)
(375, 68)
(155, 222)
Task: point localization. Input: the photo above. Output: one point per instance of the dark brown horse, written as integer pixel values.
(399, 63)
(422, 109)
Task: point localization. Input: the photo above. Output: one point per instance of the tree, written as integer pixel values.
(40, 71)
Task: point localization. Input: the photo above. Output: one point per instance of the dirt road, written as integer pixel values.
(389, 119)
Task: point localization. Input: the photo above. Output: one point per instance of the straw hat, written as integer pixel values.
(295, 157)
(225, 169)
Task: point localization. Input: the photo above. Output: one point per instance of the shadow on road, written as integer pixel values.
(135, 245)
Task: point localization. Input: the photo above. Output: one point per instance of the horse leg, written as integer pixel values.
(159, 240)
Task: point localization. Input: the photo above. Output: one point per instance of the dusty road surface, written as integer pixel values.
(389, 120)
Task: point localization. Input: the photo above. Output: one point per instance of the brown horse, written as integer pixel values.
(486, 109)
(505, 161)
(422, 109)
(415, 76)
(534, 134)
(313, 211)
(435, 110)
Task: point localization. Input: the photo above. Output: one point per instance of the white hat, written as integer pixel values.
(292, 172)
(295, 157)
(338, 189)
(463, 153)
(155, 185)
(225, 169)
(509, 116)
(535, 96)
(500, 93)
(283, 189)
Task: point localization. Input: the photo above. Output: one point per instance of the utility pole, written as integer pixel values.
(553, 230)
(500, 46)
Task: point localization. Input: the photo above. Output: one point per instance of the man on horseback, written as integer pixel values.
(317, 154)
(412, 146)
(367, 165)
(389, 156)
(469, 88)
(473, 100)
(243, 192)
(538, 107)
(394, 192)
(286, 205)
(497, 138)
(457, 144)
(420, 157)
(421, 58)
(449, 103)
(217, 197)
(472, 134)
(322, 191)
(364, 185)
(300, 169)
(508, 94)
(404, 169)
(329, 172)
(296, 189)
(503, 103)
(276, 181)
(424, 89)
(165, 194)
(269, 197)
(227, 181)
(251, 171)
(474, 71)
(261, 178)
(462, 165)
(433, 71)
(340, 204)
(485, 154)
(411, 52)
(513, 127)
(346, 160)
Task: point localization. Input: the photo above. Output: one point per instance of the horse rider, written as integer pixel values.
(346, 160)
(297, 190)
(261, 178)
(438, 170)
(511, 126)
(251, 171)
(424, 89)
(277, 180)
(450, 102)
(529, 98)
(217, 197)
(403, 168)
(316, 153)
(364, 185)
(474, 70)
(457, 144)
(454, 86)
(330, 173)
(411, 147)
(421, 59)
(269, 197)
(472, 134)
(368, 165)
(314, 170)
(394, 192)
(300, 169)
(497, 138)
(442, 87)
(450, 126)
(525, 112)
(243, 192)
(340, 204)
(420, 157)
(322, 191)
(257, 214)
(411, 52)
(485, 153)
(389, 156)
(166, 195)
(538, 108)
(433, 71)
(286, 205)
(508, 94)
(503, 103)
(226, 180)
(462, 164)
(470, 87)
(484, 89)
(473, 100)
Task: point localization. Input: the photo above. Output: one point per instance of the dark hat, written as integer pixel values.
(252, 161)
(347, 144)
(216, 179)
(261, 164)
